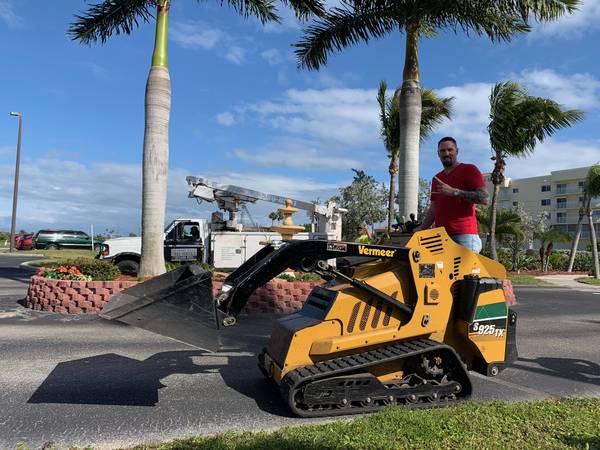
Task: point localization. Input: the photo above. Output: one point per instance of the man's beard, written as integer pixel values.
(447, 162)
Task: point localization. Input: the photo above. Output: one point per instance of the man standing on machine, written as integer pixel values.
(454, 193)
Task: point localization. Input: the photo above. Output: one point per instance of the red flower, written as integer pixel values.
(63, 269)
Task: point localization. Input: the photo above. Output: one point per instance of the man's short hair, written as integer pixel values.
(448, 138)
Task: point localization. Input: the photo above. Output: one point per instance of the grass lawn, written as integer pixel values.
(54, 256)
(535, 425)
(526, 279)
(589, 280)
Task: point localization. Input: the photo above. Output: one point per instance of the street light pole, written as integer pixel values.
(16, 188)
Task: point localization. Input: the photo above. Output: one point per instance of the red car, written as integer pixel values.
(24, 241)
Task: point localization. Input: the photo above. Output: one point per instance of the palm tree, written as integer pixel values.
(362, 20)
(275, 215)
(518, 122)
(507, 221)
(547, 239)
(591, 189)
(110, 17)
(435, 109)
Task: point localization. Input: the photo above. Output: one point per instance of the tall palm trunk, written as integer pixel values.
(575, 243)
(497, 180)
(590, 215)
(393, 170)
(156, 151)
(410, 123)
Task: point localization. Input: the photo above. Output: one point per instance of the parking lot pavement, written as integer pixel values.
(80, 380)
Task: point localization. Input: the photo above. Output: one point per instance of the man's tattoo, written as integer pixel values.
(478, 196)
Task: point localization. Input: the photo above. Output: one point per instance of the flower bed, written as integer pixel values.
(89, 297)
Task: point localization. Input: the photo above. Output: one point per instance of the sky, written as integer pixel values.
(243, 113)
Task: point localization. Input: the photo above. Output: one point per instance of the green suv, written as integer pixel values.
(64, 239)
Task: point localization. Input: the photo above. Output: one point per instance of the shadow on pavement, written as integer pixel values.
(16, 274)
(111, 379)
(569, 368)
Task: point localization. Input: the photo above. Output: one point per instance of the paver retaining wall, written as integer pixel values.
(89, 297)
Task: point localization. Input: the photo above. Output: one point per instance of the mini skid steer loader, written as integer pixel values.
(391, 326)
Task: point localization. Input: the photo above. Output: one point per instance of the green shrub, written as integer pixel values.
(559, 261)
(97, 269)
(299, 277)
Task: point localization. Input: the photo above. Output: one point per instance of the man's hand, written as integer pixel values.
(479, 196)
(444, 189)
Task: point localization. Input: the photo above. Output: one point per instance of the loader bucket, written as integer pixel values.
(178, 304)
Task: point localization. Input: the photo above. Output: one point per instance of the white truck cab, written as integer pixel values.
(185, 240)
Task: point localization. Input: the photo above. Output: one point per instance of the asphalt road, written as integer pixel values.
(81, 380)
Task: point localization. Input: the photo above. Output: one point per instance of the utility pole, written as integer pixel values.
(16, 188)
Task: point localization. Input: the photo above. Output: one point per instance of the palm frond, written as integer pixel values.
(342, 27)
(434, 111)
(383, 113)
(264, 10)
(519, 121)
(592, 181)
(546, 10)
(110, 17)
(305, 9)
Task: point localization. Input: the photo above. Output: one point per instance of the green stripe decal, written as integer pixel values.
(494, 310)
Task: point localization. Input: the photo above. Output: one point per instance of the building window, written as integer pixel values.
(561, 217)
(515, 190)
(561, 188)
(545, 202)
(596, 216)
(547, 215)
(580, 185)
(561, 203)
(580, 201)
(515, 203)
(546, 188)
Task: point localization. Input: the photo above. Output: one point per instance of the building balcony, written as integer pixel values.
(570, 190)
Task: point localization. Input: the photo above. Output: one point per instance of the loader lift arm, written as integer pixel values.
(302, 256)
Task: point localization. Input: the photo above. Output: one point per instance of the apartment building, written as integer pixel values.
(558, 195)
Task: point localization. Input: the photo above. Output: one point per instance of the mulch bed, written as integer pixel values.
(537, 273)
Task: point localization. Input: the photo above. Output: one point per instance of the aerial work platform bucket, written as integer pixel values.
(178, 304)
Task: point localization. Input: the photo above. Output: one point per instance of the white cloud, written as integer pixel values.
(108, 195)
(343, 116)
(554, 154)
(95, 68)
(298, 156)
(272, 56)
(572, 26)
(236, 55)
(579, 90)
(226, 119)
(195, 35)
(9, 16)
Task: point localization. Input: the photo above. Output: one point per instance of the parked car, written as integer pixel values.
(24, 241)
(64, 239)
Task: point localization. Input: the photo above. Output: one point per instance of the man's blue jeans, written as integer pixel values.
(471, 241)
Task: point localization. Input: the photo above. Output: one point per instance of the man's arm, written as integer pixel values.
(429, 218)
(479, 196)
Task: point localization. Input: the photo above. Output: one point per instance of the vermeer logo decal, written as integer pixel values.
(367, 251)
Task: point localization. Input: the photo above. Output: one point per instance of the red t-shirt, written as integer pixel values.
(456, 214)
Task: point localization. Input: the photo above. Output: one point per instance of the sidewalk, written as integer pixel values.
(568, 281)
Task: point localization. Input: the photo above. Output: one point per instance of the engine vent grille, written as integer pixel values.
(456, 268)
(433, 243)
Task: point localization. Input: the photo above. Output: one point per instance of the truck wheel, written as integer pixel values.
(52, 247)
(128, 267)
